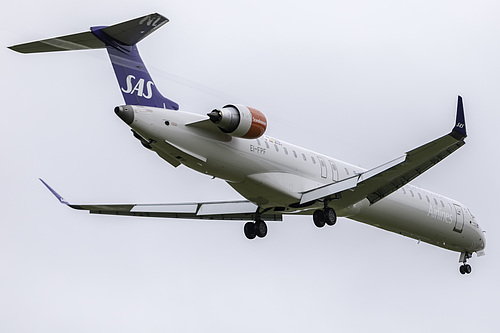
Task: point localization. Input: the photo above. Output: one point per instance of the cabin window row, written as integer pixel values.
(304, 157)
(434, 200)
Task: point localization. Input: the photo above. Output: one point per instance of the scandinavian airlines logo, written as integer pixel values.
(137, 87)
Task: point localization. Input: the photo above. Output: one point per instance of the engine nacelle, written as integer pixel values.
(240, 121)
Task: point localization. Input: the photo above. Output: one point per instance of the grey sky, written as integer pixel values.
(362, 81)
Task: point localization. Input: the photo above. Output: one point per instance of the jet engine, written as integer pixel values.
(239, 121)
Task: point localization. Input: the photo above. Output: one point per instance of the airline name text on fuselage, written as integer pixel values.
(437, 213)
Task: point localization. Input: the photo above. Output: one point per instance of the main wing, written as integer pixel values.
(240, 210)
(377, 183)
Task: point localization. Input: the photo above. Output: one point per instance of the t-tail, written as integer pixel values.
(120, 40)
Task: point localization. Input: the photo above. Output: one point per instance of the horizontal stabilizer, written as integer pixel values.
(80, 41)
(127, 33)
(133, 31)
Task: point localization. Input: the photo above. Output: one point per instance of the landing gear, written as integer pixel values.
(330, 216)
(249, 230)
(324, 216)
(255, 229)
(260, 228)
(465, 268)
(319, 218)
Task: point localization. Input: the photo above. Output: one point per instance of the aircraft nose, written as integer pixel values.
(126, 113)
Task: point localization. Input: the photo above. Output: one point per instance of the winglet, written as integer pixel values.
(459, 132)
(60, 198)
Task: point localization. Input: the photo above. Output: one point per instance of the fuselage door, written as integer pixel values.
(459, 218)
(324, 170)
(335, 171)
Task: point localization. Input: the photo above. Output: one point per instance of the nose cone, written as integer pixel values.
(126, 113)
(480, 243)
(482, 240)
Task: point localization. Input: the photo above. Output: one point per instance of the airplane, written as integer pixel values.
(275, 177)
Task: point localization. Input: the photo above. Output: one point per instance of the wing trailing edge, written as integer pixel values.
(238, 210)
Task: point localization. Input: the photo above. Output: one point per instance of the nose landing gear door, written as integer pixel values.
(459, 218)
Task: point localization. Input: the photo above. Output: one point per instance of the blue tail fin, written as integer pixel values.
(120, 40)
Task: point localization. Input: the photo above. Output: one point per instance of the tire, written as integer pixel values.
(467, 269)
(319, 218)
(260, 228)
(462, 269)
(330, 216)
(249, 230)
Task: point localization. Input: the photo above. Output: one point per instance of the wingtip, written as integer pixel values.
(459, 131)
(59, 197)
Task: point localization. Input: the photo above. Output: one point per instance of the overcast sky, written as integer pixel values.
(362, 81)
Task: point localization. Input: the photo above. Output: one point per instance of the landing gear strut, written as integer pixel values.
(465, 268)
(257, 228)
(324, 216)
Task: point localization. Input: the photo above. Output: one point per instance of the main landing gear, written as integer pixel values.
(465, 268)
(320, 218)
(255, 229)
(324, 216)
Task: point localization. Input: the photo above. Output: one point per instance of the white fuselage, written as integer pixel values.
(273, 173)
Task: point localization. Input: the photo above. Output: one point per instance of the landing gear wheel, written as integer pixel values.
(249, 230)
(465, 269)
(330, 216)
(260, 228)
(319, 218)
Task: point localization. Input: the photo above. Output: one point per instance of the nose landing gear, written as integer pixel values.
(465, 268)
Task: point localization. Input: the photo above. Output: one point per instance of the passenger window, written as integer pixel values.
(258, 142)
(411, 192)
(404, 191)
(267, 144)
(285, 150)
(428, 200)
(294, 154)
(304, 157)
(435, 201)
(442, 203)
(312, 159)
(276, 147)
(419, 196)
(346, 171)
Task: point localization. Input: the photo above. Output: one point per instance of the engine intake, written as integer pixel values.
(240, 121)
